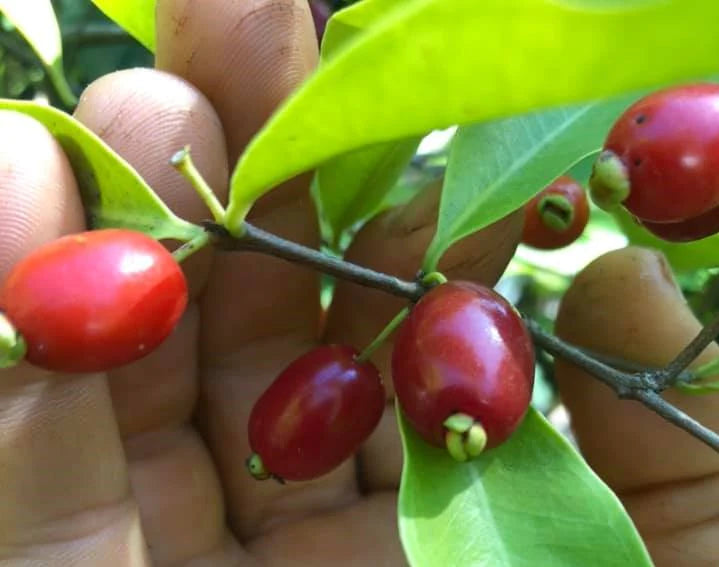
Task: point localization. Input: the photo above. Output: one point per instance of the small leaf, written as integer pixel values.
(37, 23)
(530, 502)
(113, 193)
(136, 17)
(683, 256)
(352, 187)
(496, 167)
(432, 63)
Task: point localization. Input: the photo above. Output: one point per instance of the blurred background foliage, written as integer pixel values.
(535, 280)
(92, 44)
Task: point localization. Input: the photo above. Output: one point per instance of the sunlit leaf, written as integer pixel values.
(531, 502)
(136, 17)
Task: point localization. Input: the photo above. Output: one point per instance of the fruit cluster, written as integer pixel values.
(462, 368)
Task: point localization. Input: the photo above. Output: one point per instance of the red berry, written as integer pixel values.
(666, 147)
(96, 300)
(557, 215)
(685, 231)
(463, 350)
(315, 415)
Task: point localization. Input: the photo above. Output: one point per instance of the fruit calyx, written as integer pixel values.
(609, 184)
(12, 344)
(257, 469)
(557, 212)
(465, 438)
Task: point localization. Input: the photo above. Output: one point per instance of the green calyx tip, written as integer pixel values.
(433, 279)
(180, 156)
(256, 467)
(12, 344)
(465, 439)
(609, 184)
(556, 212)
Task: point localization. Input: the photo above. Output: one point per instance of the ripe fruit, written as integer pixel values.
(685, 231)
(463, 351)
(661, 157)
(96, 300)
(315, 415)
(557, 215)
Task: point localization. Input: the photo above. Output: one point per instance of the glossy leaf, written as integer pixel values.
(470, 61)
(136, 17)
(532, 501)
(37, 23)
(352, 187)
(496, 167)
(113, 193)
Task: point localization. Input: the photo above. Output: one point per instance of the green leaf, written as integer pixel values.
(37, 23)
(113, 193)
(352, 187)
(496, 167)
(136, 17)
(683, 256)
(432, 63)
(531, 502)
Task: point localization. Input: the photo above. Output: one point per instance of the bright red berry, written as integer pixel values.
(661, 157)
(315, 415)
(685, 231)
(463, 355)
(92, 301)
(557, 215)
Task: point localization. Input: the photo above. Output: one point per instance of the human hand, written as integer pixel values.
(146, 463)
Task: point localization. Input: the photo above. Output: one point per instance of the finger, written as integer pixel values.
(245, 56)
(64, 491)
(395, 243)
(260, 313)
(146, 116)
(626, 304)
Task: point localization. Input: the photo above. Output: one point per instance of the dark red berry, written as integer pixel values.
(557, 215)
(687, 230)
(463, 351)
(661, 157)
(96, 300)
(315, 415)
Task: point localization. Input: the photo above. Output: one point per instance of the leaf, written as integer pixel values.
(531, 502)
(496, 167)
(113, 193)
(683, 256)
(136, 17)
(352, 187)
(37, 23)
(470, 61)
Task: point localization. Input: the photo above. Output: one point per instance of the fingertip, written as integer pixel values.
(38, 192)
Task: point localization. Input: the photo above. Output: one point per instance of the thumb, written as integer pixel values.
(626, 304)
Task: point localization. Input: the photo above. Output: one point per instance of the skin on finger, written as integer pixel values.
(64, 489)
(259, 313)
(324, 539)
(146, 116)
(626, 304)
(395, 243)
(245, 56)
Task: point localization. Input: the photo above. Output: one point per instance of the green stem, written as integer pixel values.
(384, 334)
(189, 248)
(183, 163)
